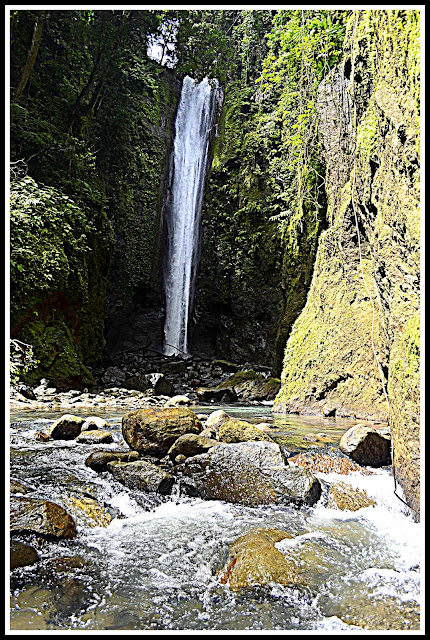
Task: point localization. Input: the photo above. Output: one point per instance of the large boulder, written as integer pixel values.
(99, 459)
(253, 560)
(241, 431)
(152, 431)
(22, 555)
(142, 475)
(251, 473)
(367, 445)
(40, 516)
(68, 427)
(191, 444)
(209, 394)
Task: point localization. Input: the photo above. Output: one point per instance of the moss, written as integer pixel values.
(238, 378)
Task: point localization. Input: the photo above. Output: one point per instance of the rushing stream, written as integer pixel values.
(154, 567)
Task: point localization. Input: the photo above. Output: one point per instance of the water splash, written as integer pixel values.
(192, 135)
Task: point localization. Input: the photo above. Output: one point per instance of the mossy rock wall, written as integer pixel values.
(369, 111)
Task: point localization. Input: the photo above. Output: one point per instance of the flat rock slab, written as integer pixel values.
(40, 516)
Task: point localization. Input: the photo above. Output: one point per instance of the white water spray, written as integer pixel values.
(192, 135)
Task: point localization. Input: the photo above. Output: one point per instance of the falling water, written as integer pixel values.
(192, 134)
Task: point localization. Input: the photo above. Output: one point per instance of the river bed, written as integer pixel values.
(154, 567)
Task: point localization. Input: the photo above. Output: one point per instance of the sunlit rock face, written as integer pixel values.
(364, 296)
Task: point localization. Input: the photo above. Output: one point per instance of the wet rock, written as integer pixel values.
(22, 555)
(207, 394)
(251, 473)
(26, 391)
(99, 459)
(178, 401)
(225, 366)
(253, 560)
(216, 419)
(367, 445)
(241, 431)
(88, 511)
(191, 444)
(95, 437)
(17, 486)
(347, 498)
(142, 475)
(68, 427)
(154, 381)
(153, 432)
(327, 464)
(92, 423)
(40, 516)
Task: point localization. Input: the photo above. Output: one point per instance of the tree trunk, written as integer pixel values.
(32, 54)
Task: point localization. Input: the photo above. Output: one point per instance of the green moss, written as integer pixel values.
(238, 378)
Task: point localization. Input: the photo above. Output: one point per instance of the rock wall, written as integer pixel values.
(358, 333)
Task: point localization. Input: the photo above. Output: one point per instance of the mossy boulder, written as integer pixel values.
(153, 432)
(241, 431)
(249, 385)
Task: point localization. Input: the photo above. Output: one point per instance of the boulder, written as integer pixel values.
(249, 385)
(152, 431)
(253, 560)
(208, 394)
(177, 401)
(367, 445)
(88, 511)
(142, 475)
(157, 382)
(22, 555)
(95, 437)
(191, 444)
(251, 473)
(99, 459)
(347, 498)
(216, 419)
(241, 431)
(92, 423)
(68, 427)
(40, 516)
(209, 432)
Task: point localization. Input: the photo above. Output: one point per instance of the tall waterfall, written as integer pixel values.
(192, 135)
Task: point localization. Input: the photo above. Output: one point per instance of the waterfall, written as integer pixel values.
(192, 136)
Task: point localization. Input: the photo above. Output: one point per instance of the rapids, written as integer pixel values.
(154, 567)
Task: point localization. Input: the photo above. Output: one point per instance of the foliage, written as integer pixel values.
(21, 360)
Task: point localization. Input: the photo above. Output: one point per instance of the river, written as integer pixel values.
(154, 567)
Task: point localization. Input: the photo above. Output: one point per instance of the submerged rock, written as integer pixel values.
(22, 555)
(40, 516)
(98, 460)
(251, 473)
(347, 498)
(327, 464)
(153, 432)
(142, 475)
(367, 445)
(253, 560)
(17, 486)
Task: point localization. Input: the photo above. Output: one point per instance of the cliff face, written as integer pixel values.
(359, 330)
